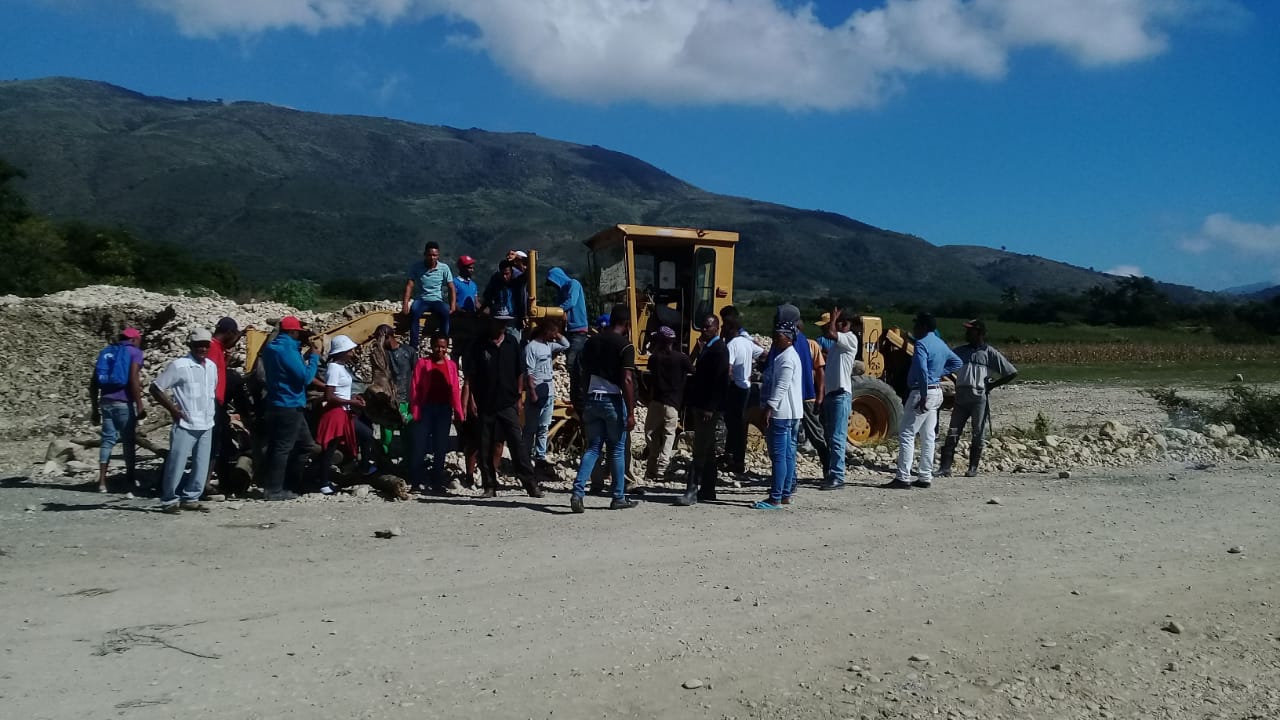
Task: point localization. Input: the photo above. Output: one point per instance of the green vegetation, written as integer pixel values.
(301, 294)
(1254, 411)
(43, 257)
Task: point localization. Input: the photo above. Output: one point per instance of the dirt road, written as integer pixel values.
(1048, 605)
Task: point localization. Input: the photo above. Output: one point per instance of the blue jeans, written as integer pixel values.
(430, 435)
(179, 485)
(119, 424)
(537, 419)
(836, 407)
(782, 436)
(439, 308)
(605, 423)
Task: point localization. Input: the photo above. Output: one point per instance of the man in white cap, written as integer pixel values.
(192, 380)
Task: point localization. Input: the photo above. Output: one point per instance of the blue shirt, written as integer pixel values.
(572, 301)
(287, 374)
(428, 284)
(806, 364)
(468, 292)
(932, 360)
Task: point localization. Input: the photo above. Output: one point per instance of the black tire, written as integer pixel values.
(877, 411)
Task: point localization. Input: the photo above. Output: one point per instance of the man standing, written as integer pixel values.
(493, 392)
(837, 402)
(932, 360)
(539, 354)
(193, 380)
(574, 303)
(706, 395)
(226, 334)
(669, 370)
(429, 282)
(743, 352)
(608, 362)
(287, 372)
(115, 398)
(985, 369)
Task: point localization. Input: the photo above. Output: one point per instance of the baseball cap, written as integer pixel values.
(131, 333)
(290, 322)
(976, 324)
(602, 321)
(466, 261)
(521, 254)
(226, 325)
(825, 320)
(199, 335)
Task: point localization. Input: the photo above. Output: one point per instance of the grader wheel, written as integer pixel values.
(876, 412)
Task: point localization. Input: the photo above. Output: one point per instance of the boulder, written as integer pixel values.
(1216, 432)
(60, 450)
(1114, 430)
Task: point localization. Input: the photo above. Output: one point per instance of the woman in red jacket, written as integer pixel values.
(434, 396)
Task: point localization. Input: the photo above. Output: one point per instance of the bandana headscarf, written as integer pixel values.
(786, 328)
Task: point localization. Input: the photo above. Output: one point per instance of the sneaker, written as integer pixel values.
(925, 484)
(282, 495)
(173, 509)
(973, 472)
(786, 501)
(575, 504)
(195, 507)
(896, 485)
(831, 486)
(532, 488)
(623, 504)
(688, 499)
(766, 505)
(945, 472)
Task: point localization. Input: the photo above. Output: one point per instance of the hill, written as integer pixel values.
(281, 193)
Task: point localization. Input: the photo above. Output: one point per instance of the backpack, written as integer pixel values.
(112, 367)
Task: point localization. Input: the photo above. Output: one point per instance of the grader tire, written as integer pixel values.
(876, 412)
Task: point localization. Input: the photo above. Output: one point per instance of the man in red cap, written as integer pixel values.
(115, 396)
(288, 370)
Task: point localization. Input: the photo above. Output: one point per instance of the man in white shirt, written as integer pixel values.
(192, 380)
(837, 402)
(743, 352)
(782, 395)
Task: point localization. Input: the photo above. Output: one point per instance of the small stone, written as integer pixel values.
(919, 657)
(388, 533)
(693, 684)
(1238, 377)
(1056, 666)
(1048, 644)
(1173, 626)
(29, 508)
(1171, 667)
(995, 501)
(1236, 549)
(1064, 474)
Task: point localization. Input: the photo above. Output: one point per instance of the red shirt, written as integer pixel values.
(435, 384)
(219, 357)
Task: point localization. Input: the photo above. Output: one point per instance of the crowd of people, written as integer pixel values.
(487, 377)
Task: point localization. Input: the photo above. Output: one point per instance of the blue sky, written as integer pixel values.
(1136, 135)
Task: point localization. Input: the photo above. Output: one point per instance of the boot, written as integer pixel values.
(948, 456)
(975, 456)
(690, 496)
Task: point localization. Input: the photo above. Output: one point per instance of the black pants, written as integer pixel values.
(702, 475)
(503, 425)
(735, 424)
(288, 442)
(364, 437)
(815, 433)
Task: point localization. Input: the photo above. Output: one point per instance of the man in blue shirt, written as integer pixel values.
(930, 362)
(571, 299)
(288, 372)
(430, 281)
(466, 291)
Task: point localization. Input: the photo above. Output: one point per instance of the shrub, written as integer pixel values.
(1254, 411)
(297, 293)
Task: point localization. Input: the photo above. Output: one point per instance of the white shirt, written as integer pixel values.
(742, 353)
(783, 391)
(840, 360)
(192, 385)
(339, 378)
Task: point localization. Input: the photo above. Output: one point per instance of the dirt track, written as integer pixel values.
(514, 609)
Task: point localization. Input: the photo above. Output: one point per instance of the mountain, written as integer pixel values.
(281, 193)
(1254, 291)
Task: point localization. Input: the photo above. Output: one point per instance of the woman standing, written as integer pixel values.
(340, 428)
(435, 397)
(783, 399)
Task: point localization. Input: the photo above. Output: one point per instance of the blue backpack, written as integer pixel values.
(112, 367)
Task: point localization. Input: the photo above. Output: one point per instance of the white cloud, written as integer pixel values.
(1125, 271)
(1223, 230)
(754, 52)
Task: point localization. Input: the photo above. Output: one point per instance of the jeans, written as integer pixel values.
(439, 308)
(572, 356)
(969, 407)
(924, 424)
(430, 436)
(835, 421)
(288, 440)
(184, 445)
(497, 426)
(660, 427)
(538, 409)
(735, 424)
(605, 423)
(781, 436)
(119, 423)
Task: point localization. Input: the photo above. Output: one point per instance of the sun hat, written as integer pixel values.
(825, 320)
(340, 344)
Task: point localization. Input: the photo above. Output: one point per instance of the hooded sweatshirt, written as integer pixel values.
(572, 301)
